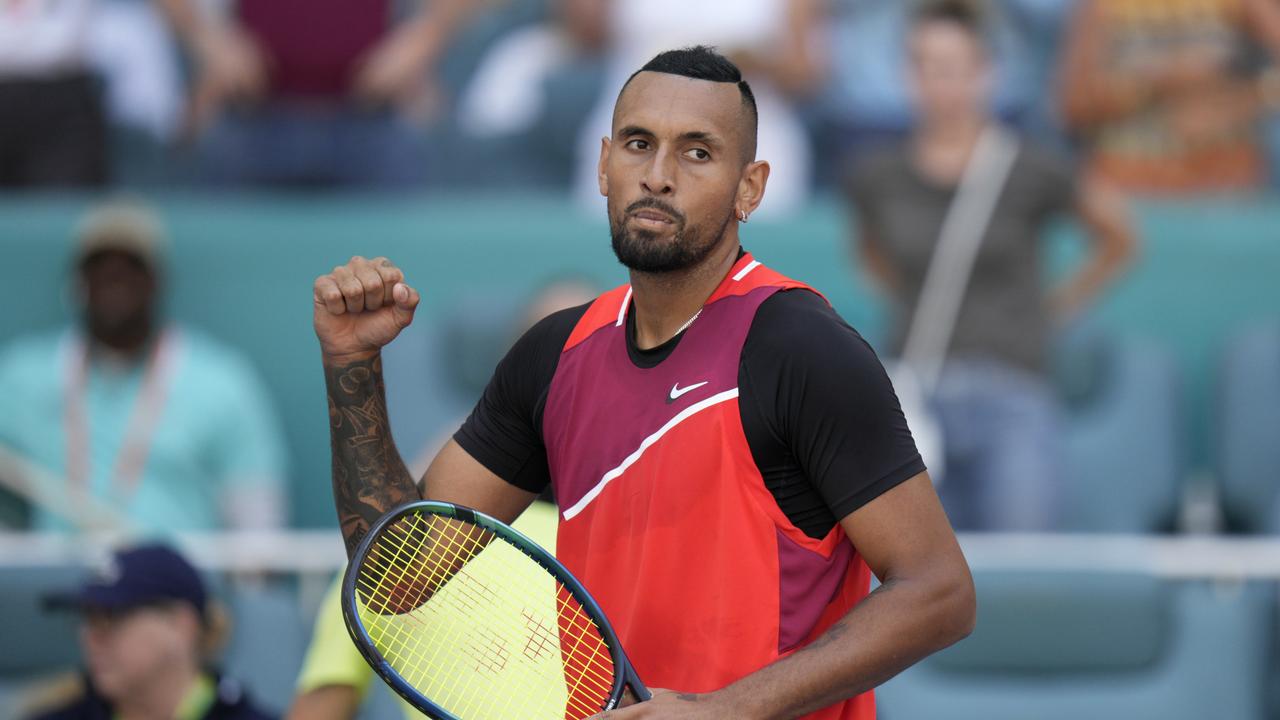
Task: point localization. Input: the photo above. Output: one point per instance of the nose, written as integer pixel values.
(659, 174)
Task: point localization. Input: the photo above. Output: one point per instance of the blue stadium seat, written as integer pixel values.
(1122, 462)
(268, 641)
(1095, 645)
(1248, 426)
(35, 646)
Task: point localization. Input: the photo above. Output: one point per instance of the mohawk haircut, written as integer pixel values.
(702, 62)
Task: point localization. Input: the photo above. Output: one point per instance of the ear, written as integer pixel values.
(751, 187)
(602, 175)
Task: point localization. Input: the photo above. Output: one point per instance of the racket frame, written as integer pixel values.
(624, 675)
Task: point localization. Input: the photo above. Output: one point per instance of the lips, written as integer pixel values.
(655, 216)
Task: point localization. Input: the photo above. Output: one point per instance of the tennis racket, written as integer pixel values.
(468, 619)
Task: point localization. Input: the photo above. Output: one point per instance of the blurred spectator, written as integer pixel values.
(324, 92)
(526, 101)
(992, 399)
(160, 425)
(53, 123)
(147, 628)
(776, 43)
(506, 94)
(1168, 94)
(867, 100)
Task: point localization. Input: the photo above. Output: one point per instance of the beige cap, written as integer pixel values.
(126, 225)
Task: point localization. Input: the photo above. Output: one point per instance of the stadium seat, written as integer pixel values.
(1122, 463)
(268, 641)
(35, 645)
(1247, 429)
(1095, 645)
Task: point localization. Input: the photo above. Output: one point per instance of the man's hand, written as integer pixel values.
(360, 307)
(685, 706)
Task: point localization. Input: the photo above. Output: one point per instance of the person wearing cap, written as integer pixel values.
(126, 420)
(146, 628)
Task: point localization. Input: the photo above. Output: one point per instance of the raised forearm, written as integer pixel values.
(893, 628)
(369, 476)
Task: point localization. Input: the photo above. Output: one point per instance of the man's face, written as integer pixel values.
(124, 650)
(672, 168)
(950, 73)
(119, 292)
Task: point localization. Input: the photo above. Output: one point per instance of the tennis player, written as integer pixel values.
(728, 456)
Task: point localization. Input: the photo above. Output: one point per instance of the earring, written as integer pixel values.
(742, 215)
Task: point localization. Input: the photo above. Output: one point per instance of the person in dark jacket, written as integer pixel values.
(146, 625)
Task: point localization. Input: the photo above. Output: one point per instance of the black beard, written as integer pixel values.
(640, 251)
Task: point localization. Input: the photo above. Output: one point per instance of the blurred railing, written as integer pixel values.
(320, 551)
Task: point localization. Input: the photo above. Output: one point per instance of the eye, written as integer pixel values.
(638, 144)
(698, 154)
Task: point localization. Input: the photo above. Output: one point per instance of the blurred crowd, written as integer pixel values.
(1165, 97)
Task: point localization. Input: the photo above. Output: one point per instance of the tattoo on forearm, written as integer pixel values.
(369, 477)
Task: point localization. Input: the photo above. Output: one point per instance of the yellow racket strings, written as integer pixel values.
(584, 676)
(477, 651)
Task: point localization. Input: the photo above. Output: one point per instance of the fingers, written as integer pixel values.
(329, 295)
(362, 285)
(352, 290)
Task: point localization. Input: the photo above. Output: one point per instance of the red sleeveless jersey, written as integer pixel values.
(665, 517)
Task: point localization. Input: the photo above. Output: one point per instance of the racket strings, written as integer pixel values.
(482, 635)
(584, 676)
(579, 706)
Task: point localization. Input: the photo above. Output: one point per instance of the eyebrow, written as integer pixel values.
(695, 135)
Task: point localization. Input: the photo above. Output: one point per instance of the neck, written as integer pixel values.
(962, 131)
(666, 301)
(129, 345)
(160, 696)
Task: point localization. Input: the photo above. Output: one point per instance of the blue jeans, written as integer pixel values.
(304, 146)
(1000, 427)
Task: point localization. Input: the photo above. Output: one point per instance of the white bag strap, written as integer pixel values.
(951, 265)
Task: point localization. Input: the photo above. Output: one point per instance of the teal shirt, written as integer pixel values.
(215, 431)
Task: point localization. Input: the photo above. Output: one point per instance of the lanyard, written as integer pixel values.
(140, 431)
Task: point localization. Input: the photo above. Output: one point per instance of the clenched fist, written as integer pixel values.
(361, 306)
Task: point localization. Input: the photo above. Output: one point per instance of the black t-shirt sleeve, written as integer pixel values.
(504, 431)
(824, 396)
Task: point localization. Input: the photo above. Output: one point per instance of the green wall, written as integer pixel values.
(242, 269)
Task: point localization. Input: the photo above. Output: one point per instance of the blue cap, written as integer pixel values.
(137, 576)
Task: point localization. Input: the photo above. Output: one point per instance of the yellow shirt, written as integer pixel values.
(332, 659)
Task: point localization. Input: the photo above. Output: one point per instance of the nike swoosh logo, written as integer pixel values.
(677, 391)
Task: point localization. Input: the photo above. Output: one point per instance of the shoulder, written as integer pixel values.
(890, 160)
(797, 315)
(799, 329)
(547, 337)
(212, 358)
(38, 349)
(66, 698)
(1043, 160)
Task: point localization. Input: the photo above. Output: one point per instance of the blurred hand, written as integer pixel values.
(395, 71)
(360, 307)
(231, 66)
